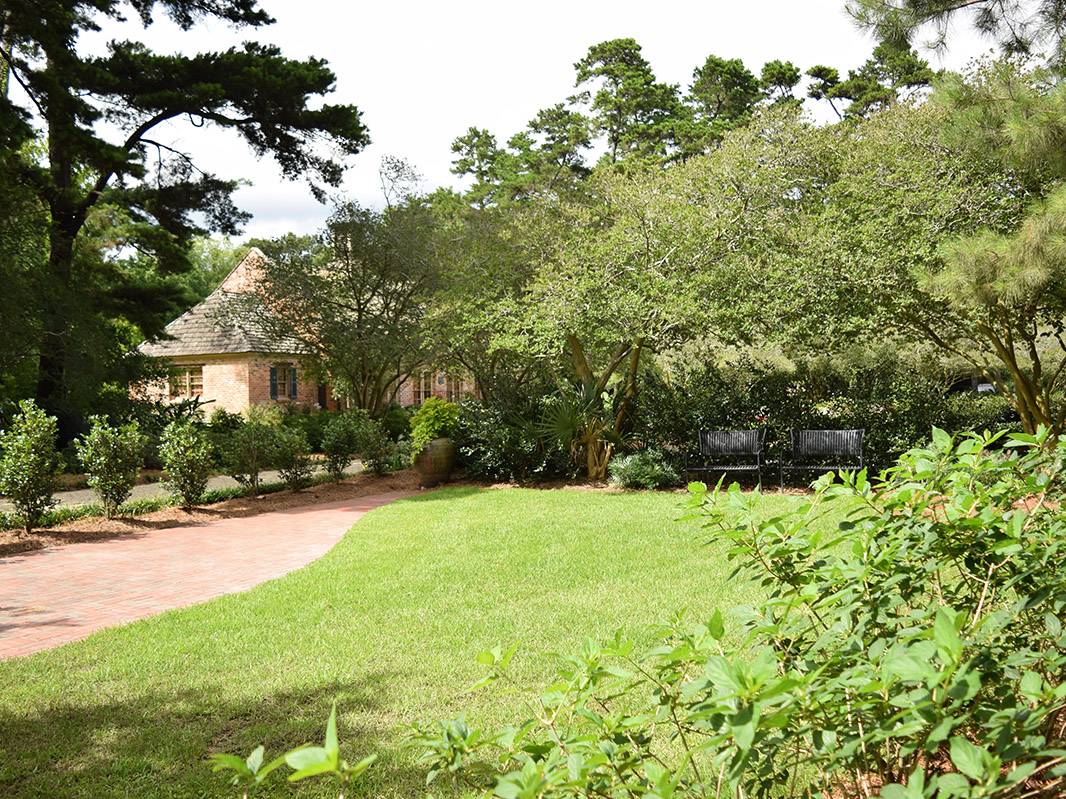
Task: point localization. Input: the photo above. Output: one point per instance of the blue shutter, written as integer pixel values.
(273, 382)
(292, 383)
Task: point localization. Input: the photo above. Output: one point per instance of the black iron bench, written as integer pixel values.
(731, 451)
(823, 451)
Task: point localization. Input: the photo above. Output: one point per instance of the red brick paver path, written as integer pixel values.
(61, 594)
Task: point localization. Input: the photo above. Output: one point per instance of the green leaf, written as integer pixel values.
(362, 765)
(309, 761)
(968, 758)
(255, 759)
(894, 791)
(946, 635)
(331, 745)
(743, 726)
(941, 439)
(225, 762)
(716, 626)
(949, 785)
(901, 663)
(266, 770)
(1031, 686)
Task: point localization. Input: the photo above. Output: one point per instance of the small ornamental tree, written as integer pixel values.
(111, 457)
(252, 447)
(293, 458)
(29, 463)
(188, 457)
(342, 439)
(381, 454)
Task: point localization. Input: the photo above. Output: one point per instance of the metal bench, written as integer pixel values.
(731, 451)
(823, 450)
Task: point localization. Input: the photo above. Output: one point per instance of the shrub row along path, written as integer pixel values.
(51, 596)
(86, 496)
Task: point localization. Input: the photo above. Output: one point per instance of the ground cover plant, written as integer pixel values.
(388, 624)
(139, 506)
(647, 469)
(915, 649)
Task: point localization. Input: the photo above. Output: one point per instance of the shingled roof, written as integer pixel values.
(227, 321)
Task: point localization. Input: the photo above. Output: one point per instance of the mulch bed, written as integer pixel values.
(97, 528)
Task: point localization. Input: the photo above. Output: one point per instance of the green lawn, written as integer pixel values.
(388, 624)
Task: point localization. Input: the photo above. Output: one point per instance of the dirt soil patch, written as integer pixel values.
(97, 528)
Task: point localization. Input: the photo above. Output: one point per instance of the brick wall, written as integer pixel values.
(226, 382)
(246, 274)
(259, 382)
(234, 382)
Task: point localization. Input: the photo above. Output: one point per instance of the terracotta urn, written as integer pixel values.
(435, 462)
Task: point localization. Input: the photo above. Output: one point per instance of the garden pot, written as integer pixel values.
(435, 462)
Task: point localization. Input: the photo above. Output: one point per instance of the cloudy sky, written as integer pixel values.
(423, 72)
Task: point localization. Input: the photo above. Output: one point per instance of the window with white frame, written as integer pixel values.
(453, 389)
(423, 387)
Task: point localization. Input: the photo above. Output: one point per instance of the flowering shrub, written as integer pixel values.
(912, 646)
(111, 456)
(29, 463)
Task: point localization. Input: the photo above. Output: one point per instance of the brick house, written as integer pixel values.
(217, 352)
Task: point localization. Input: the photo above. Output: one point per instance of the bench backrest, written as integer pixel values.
(821, 443)
(732, 442)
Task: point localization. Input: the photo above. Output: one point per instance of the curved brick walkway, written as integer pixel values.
(52, 596)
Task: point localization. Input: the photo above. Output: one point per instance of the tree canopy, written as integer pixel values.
(1019, 27)
(102, 120)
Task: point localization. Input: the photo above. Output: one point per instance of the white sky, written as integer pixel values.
(423, 72)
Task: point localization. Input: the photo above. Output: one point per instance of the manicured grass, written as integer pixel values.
(387, 624)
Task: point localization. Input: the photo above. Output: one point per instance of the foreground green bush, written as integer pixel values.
(111, 456)
(188, 458)
(917, 650)
(29, 463)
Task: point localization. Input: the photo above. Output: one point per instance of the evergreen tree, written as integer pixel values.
(159, 196)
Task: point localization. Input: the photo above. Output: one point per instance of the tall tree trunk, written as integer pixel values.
(67, 217)
(52, 392)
